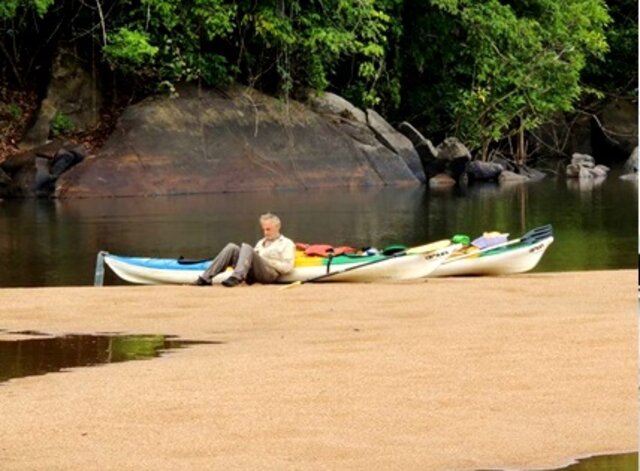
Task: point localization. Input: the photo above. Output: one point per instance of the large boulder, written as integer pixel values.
(396, 142)
(484, 171)
(237, 140)
(330, 103)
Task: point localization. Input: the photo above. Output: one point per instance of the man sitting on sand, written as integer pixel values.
(272, 256)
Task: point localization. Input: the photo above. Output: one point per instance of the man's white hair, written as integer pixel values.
(271, 217)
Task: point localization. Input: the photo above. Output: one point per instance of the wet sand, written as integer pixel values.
(524, 372)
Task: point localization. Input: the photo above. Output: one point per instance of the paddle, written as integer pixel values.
(412, 251)
(534, 235)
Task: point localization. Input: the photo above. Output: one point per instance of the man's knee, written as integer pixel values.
(231, 247)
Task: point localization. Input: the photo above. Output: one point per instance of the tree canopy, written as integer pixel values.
(479, 69)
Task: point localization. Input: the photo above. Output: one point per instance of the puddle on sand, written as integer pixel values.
(41, 353)
(618, 462)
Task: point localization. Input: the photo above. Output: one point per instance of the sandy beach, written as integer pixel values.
(522, 372)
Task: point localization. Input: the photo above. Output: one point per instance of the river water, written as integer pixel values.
(54, 243)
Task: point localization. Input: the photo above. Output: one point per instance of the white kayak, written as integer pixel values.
(414, 263)
(515, 256)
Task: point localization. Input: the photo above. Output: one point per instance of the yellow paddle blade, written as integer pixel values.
(290, 285)
(440, 244)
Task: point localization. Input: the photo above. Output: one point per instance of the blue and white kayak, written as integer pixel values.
(415, 263)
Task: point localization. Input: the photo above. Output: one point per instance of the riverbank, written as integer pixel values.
(526, 371)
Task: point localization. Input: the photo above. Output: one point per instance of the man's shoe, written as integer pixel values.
(202, 282)
(231, 282)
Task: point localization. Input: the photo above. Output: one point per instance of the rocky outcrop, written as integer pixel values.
(584, 166)
(330, 103)
(72, 95)
(609, 132)
(397, 143)
(232, 141)
(450, 156)
(34, 172)
(484, 171)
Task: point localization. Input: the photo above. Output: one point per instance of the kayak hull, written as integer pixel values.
(505, 261)
(153, 271)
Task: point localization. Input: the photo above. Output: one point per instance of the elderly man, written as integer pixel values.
(272, 256)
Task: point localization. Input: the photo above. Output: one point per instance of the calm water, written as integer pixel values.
(43, 353)
(618, 462)
(53, 243)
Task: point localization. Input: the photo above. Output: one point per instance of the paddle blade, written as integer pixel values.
(440, 244)
(290, 285)
(537, 234)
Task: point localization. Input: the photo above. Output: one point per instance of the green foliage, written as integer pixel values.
(308, 46)
(617, 71)
(14, 111)
(61, 124)
(129, 48)
(506, 66)
(9, 8)
(480, 69)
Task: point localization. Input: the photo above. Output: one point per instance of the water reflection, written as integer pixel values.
(49, 243)
(618, 462)
(41, 353)
(621, 462)
(584, 184)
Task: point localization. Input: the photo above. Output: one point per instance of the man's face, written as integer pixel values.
(270, 230)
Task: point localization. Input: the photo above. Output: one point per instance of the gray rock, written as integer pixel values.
(451, 148)
(330, 103)
(573, 170)
(397, 143)
(599, 171)
(532, 173)
(511, 177)
(584, 160)
(482, 171)
(420, 143)
(232, 141)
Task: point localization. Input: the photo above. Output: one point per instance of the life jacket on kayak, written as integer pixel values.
(323, 250)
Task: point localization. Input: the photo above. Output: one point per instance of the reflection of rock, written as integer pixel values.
(630, 168)
(239, 140)
(511, 177)
(442, 180)
(584, 184)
